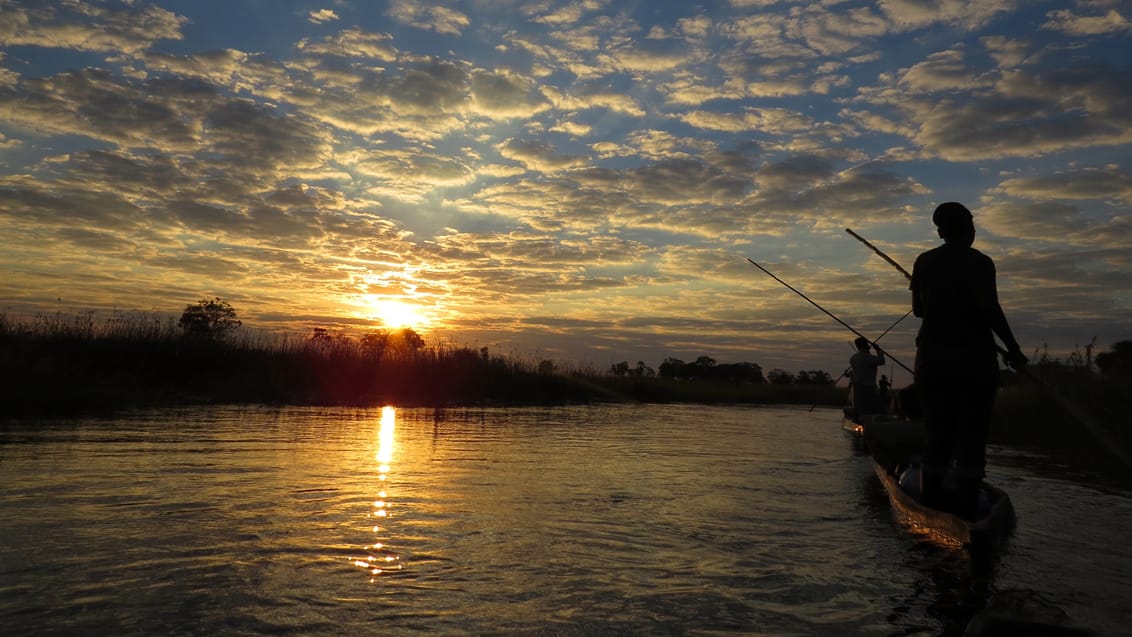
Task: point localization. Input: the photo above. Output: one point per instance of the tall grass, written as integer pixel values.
(78, 363)
(1045, 412)
(60, 364)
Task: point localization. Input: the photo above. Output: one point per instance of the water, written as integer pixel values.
(580, 520)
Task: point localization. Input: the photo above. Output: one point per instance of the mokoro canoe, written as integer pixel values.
(996, 521)
(893, 441)
(857, 425)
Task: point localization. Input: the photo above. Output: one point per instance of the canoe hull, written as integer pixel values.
(989, 530)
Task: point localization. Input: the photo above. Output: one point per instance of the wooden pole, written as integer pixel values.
(827, 312)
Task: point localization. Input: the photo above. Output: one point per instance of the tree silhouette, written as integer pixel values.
(412, 341)
(671, 368)
(1118, 362)
(209, 318)
(813, 377)
(375, 343)
(780, 377)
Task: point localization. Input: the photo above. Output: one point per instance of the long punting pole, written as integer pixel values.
(898, 322)
(827, 312)
(880, 254)
(1080, 416)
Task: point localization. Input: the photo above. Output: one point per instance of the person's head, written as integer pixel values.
(862, 343)
(955, 223)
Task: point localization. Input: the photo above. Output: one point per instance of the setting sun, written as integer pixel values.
(397, 314)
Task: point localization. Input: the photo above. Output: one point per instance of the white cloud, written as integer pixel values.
(1070, 23)
(770, 120)
(428, 16)
(540, 156)
(87, 27)
(566, 14)
(1090, 184)
(505, 95)
(586, 97)
(322, 16)
(969, 14)
(352, 42)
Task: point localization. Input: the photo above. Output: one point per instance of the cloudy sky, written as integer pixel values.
(580, 180)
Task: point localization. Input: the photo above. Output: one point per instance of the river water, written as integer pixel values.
(599, 520)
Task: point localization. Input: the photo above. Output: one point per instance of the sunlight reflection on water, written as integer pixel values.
(380, 558)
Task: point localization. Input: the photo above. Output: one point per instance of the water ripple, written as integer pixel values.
(580, 520)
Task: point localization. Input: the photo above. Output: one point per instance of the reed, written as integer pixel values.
(69, 364)
(64, 364)
(1027, 415)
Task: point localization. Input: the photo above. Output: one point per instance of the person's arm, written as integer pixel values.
(915, 284)
(998, 323)
(880, 355)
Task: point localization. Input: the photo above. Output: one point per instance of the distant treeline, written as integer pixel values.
(79, 363)
(705, 368)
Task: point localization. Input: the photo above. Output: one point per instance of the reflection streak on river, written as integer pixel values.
(381, 558)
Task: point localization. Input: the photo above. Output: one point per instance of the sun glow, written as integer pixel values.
(396, 314)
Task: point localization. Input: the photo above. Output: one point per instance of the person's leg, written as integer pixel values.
(869, 403)
(939, 424)
(971, 440)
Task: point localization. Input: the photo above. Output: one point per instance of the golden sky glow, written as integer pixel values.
(576, 180)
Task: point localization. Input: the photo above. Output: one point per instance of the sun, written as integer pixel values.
(397, 314)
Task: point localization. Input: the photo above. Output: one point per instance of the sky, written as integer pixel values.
(579, 180)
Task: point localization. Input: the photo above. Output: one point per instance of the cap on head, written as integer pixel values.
(861, 342)
(952, 216)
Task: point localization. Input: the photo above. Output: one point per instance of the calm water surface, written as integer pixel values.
(579, 520)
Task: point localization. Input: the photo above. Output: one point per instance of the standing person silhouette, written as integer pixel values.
(955, 292)
(883, 385)
(866, 398)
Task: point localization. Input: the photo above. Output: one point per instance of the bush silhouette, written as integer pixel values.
(209, 318)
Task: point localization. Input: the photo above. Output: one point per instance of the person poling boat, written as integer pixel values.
(1106, 439)
(955, 293)
(853, 423)
(864, 393)
(848, 373)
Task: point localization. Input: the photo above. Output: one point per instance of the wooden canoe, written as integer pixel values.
(989, 530)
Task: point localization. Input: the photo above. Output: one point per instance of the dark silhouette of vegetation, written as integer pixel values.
(212, 319)
(814, 377)
(59, 364)
(1118, 362)
(780, 377)
(1026, 414)
(706, 368)
(640, 371)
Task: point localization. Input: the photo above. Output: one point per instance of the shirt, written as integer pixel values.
(954, 292)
